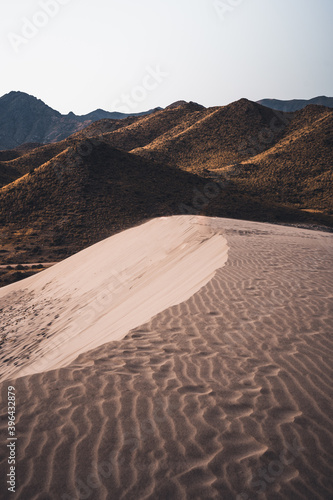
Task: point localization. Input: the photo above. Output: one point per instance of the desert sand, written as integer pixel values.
(101, 293)
(191, 360)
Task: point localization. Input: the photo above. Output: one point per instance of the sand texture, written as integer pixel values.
(101, 293)
(227, 395)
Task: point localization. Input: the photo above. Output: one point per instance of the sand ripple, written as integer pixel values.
(225, 396)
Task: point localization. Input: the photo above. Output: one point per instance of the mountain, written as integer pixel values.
(211, 138)
(72, 201)
(296, 169)
(25, 119)
(126, 134)
(19, 161)
(280, 158)
(183, 135)
(241, 161)
(296, 104)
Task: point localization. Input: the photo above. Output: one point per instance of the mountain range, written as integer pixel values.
(296, 104)
(243, 161)
(25, 119)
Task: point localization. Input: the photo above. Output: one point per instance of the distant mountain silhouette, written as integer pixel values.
(296, 104)
(26, 119)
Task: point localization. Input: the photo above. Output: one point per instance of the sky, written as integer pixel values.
(134, 55)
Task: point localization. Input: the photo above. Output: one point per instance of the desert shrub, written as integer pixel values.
(58, 240)
(36, 250)
(20, 276)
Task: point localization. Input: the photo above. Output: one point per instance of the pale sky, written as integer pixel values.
(133, 55)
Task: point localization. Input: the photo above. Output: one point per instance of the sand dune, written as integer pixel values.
(227, 395)
(101, 293)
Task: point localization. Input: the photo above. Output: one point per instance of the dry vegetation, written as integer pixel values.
(11, 274)
(240, 161)
(213, 138)
(72, 201)
(297, 170)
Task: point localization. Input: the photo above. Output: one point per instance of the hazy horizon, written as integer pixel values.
(130, 57)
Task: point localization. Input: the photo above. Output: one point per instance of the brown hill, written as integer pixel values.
(72, 201)
(145, 130)
(242, 161)
(185, 135)
(27, 160)
(11, 154)
(281, 158)
(9, 170)
(190, 136)
(17, 162)
(297, 170)
(103, 126)
(217, 137)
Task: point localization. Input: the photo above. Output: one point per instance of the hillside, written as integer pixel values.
(281, 158)
(25, 161)
(143, 131)
(217, 137)
(296, 171)
(11, 154)
(73, 201)
(24, 119)
(19, 161)
(240, 161)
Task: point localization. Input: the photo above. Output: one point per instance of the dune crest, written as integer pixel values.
(227, 395)
(99, 294)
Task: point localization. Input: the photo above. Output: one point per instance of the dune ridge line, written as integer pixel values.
(104, 291)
